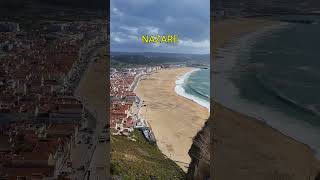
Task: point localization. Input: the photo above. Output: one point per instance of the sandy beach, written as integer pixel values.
(175, 120)
(244, 147)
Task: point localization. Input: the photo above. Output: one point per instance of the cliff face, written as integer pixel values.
(199, 168)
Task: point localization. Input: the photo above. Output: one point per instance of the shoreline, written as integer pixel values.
(164, 111)
(180, 90)
(257, 141)
(251, 108)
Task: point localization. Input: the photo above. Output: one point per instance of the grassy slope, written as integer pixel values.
(141, 160)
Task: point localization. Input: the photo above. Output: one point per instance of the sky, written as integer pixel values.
(188, 19)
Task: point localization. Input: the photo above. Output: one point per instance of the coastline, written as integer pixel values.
(175, 120)
(180, 90)
(255, 149)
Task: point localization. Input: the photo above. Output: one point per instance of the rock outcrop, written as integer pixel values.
(199, 152)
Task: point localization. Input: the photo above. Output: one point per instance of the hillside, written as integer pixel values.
(140, 160)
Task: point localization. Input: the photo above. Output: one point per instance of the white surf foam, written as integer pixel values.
(179, 89)
(227, 94)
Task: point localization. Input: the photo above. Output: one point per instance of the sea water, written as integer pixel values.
(195, 85)
(275, 78)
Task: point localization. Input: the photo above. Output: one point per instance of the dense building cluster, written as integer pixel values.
(40, 115)
(125, 105)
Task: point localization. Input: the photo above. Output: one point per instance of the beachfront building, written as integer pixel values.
(125, 105)
(140, 123)
(120, 121)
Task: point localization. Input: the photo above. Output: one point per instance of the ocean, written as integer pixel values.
(273, 75)
(195, 85)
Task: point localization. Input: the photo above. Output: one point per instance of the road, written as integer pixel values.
(93, 88)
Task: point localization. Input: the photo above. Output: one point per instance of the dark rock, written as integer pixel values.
(199, 152)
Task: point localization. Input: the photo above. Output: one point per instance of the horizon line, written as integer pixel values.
(159, 52)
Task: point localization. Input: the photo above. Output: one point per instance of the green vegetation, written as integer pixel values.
(123, 65)
(141, 160)
(160, 58)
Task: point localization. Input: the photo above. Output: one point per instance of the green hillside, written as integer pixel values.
(141, 160)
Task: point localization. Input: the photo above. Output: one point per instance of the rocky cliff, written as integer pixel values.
(199, 168)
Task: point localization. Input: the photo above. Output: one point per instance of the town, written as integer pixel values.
(45, 130)
(125, 106)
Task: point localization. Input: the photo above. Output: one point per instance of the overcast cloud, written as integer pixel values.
(188, 19)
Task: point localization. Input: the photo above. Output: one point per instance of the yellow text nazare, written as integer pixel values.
(159, 39)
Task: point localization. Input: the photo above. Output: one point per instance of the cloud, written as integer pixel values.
(198, 44)
(120, 37)
(169, 20)
(152, 30)
(188, 19)
(130, 29)
(116, 12)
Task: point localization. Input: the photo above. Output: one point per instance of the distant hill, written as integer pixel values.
(151, 58)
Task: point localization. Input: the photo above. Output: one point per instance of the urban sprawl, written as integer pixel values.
(44, 132)
(125, 108)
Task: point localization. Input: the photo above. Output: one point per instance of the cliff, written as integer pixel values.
(199, 152)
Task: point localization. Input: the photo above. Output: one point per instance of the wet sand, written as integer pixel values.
(175, 120)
